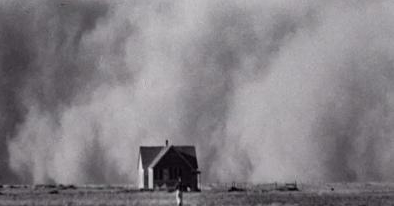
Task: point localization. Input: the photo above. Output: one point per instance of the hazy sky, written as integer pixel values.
(267, 90)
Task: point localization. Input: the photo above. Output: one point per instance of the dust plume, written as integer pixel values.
(266, 90)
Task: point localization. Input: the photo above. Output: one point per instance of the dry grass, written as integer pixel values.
(343, 194)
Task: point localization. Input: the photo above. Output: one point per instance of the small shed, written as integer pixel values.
(161, 166)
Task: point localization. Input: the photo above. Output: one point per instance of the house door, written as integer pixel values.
(166, 175)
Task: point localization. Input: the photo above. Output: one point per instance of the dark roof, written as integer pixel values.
(150, 155)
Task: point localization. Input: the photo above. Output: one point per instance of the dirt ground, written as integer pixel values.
(327, 194)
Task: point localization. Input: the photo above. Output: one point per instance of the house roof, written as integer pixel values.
(150, 156)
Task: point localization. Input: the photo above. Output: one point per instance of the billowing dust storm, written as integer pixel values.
(273, 90)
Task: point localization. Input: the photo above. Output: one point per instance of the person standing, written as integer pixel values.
(178, 192)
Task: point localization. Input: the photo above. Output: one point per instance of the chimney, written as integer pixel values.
(166, 142)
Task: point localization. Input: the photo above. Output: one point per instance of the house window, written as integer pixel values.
(171, 172)
(165, 174)
(172, 175)
(159, 174)
(178, 172)
(175, 172)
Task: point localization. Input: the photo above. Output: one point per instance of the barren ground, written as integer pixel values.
(325, 194)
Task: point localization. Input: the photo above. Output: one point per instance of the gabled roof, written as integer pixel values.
(189, 153)
(151, 155)
(148, 154)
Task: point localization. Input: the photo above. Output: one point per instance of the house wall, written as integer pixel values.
(150, 177)
(146, 179)
(168, 166)
(140, 174)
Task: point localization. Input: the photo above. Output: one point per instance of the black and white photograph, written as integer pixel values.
(196, 102)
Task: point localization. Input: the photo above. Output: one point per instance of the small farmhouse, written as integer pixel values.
(160, 167)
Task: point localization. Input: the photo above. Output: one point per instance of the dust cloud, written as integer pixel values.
(275, 90)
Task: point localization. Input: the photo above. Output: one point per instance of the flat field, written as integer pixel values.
(324, 194)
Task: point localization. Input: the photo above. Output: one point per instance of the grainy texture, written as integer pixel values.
(266, 90)
(345, 194)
